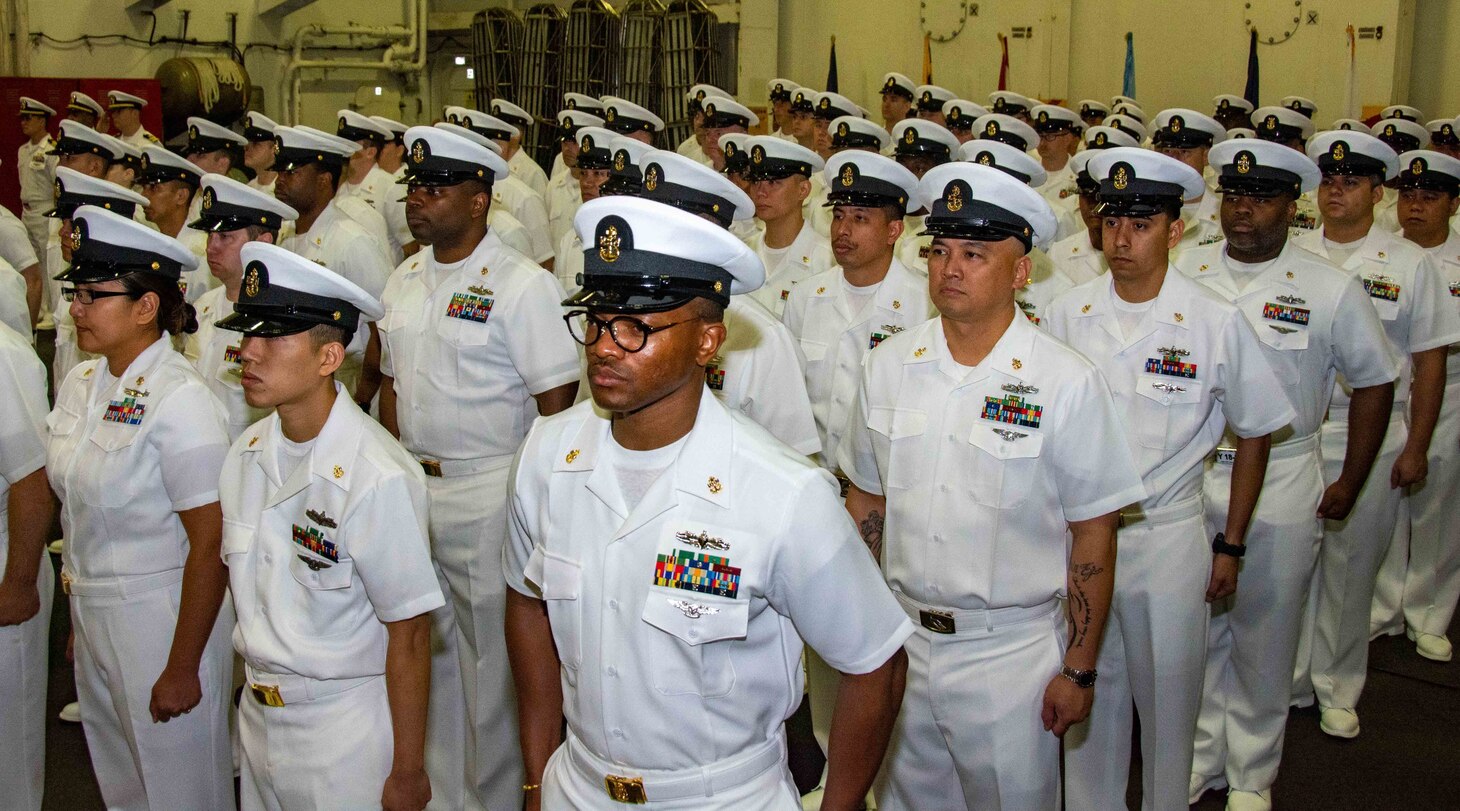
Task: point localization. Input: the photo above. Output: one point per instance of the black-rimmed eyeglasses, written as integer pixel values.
(629, 333)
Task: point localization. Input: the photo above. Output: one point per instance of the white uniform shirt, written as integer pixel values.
(1191, 365)
(1059, 189)
(365, 215)
(37, 175)
(266, 189)
(125, 455)
(468, 344)
(1199, 231)
(214, 353)
(834, 337)
(380, 191)
(758, 373)
(319, 559)
(983, 466)
(808, 254)
(563, 198)
(559, 166)
(1447, 258)
(15, 245)
(14, 312)
(510, 230)
(1313, 321)
(341, 244)
(1406, 288)
(528, 207)
(140, 139)
(815, 209)
(23, 431)
(690, 148)
(199, 280)
(1046, 282)
(524, 168)
(1077, 258)
(680, 622)
(569, 262)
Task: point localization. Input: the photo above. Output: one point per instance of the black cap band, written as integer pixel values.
(959, 216)
(268, 309)
(616, 276)
(351, 133)
(852, 188)
(1182, 138)
(686, 198)
(76, 146)
(68, 202)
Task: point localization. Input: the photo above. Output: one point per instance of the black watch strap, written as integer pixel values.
(1221, 547)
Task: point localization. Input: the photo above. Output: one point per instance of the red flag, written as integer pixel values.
(1004, 63)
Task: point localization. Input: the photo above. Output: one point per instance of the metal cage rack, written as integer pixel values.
(642, 53)
(496, 38)
(689, 57)
(539, 89)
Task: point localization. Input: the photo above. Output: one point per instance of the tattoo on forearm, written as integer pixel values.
(871, 529)
(1080, 574)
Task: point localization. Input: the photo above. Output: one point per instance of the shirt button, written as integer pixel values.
(937, 539)
(613, 605)
(945, 488)
(952, 438)
(268, 558)
(618, 733)
(612, 671)
(694, 633)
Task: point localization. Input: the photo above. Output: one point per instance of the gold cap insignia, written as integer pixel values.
(1100, 139)
(842, 129)
(621, 159)
(1121, 178)
(193, 131)
(610, 115)
(986, 158)
(910, 136)
(1244, 162)
(418, 151)
(719, 287)
(953, 199)
(208, 198)
(608, 244)
(825, 103)
(588, 141)
(992, 129)
(278, 145)
(651, 177)
(757, 154)
(1338, 152)
(1175, 124)
(1224, 104)
(927, 96)
(251, 283)
(1418, 166)
(1389, 129)
(1271, 122)
(75, 238)
(849, 175)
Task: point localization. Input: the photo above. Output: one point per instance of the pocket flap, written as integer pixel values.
(813, 350)
(562, 579)
(1168, 390)
(1284, 337)
(1006, 441)
(60, 423)
(313, 572)
(114, 436)
(237, 538)
(896, 423)
(694, 619)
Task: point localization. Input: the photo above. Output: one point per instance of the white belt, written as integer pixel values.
(661, 786)
(1169, 514)
(952, 621)
(283, 689)
(452, 468)
(117, 586)
(1292, 449)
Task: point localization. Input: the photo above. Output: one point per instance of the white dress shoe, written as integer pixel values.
(1200, 784)
(1249, 801)
(1339, 723)
(55, 546)
(71, 713)
(1433, 646)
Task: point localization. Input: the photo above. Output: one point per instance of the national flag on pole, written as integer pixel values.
(831, 69)
(927, 58)
(1004, 63)
(1251, 92)
(1130, 65)
(1351, 97)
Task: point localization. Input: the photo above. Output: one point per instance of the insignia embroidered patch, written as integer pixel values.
(702, 574)
(1013, 410)
(1381, 289)
(1283, 312)
(1455, 288)
(314, 540)
(1170, 363)
(125, 411)
(715, 376)
(469, 307)
(230, 354)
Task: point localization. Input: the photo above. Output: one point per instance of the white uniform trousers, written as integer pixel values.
(1432, 582)
(332, 752)
(446, 727)
(468, 523)
(1151, 661)
(754, 781)
(37, 228)
(969, 735)
(123, 632)
(23, 655)
(1386, 610)
(1252, 641)
(1348, 562)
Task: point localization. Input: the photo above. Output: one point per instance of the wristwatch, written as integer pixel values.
(1081, 678)
(1221, 547)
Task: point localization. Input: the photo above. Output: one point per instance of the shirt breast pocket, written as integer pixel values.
(117, 470)
(561, 582)
(1007, 464)
(907, 457)
(326, 605)
(1167, 410)
(685, 663)
(1281, 336)
(469, 340)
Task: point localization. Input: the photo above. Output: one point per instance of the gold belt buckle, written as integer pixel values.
(267, 694)
(628, 790)
(432, 467)
(939, 622)
(66, 582)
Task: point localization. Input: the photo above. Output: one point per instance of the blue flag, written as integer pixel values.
(1129, 87)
